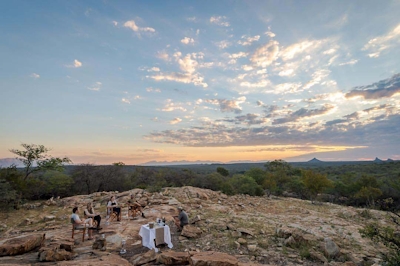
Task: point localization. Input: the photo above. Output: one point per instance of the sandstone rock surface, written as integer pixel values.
(21, 245)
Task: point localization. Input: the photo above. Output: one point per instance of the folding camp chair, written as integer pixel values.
(76, 226)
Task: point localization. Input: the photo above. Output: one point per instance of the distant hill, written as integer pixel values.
(6, 162)
(377, 160)
(314, 160)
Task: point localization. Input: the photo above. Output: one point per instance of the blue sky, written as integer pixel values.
(138, 81)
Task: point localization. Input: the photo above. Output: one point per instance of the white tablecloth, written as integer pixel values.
(149, 235)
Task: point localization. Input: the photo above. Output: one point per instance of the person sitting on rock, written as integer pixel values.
(135, 206)
(113, 205)
(88, 223)
(90, 213)
(182, 219)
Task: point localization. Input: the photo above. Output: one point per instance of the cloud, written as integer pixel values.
(34, 75)
(187, 40)
(288, 87)
(76, 64)
(124, 100)
(152, 89)
(181, 77)
(303, 113)
(213, 134)
(220, 21)
(174, 121)
(223, 44)
(163, 55)
(384, 88)
(373, 126)
(248, 119)
(248, 40)
(95, 87)
(317, 78)
(378, 44)
(170, 106)
(270, 34)
(228, 105)
(266, 54)
(260, 84)
(188, 64)
(351, 62)
(154, 69)
(115, 23)
(293, 50)
(132, 25)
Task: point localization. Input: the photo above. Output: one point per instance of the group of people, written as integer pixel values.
(91, 217)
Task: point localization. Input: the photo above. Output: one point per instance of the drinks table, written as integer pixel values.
(149, 236)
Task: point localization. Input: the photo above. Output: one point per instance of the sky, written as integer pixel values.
(225, 81)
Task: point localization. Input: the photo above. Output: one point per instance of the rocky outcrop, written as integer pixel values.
(107, 260)
(141, 259)
(191, 231)
(173, 258)
(54, 254)
(21, 245)
(331, 250)
(254, 230)
(212, 258)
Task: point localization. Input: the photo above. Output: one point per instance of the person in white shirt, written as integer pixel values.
(86, 223)
(112, 205)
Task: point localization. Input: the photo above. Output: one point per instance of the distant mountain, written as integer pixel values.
(183, 162)
(6, 162)
(314, 160)
(377, 160)
(390, 160)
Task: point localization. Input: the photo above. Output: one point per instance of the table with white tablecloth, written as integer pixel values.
(149, 236)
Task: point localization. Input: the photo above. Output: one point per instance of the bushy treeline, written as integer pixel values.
(360, 185)
(276, 178)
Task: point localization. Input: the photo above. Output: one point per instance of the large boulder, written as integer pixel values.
(108, 260)
(54, 254)
(141, 259)
(191, 231)
(173, 258)
(330, 248)
(22, 244)
(211, 258)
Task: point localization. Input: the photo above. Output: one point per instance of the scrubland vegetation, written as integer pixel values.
(374, 185)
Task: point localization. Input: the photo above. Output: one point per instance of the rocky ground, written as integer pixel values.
(224, 230)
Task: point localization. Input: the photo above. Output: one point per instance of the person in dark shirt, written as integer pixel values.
(182, 219)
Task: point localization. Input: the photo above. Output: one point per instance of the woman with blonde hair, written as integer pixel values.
(90, 213)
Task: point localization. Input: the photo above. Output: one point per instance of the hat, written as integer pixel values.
(180, 208)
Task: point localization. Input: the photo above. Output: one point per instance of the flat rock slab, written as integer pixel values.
(108, 260)
(212, 258)
(22, 244)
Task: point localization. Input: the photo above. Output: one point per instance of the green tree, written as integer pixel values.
(243, 184)
(280, 171)
(315, 183)
(33, 153)
(258, 174)
(369, 194)
(222, 171)
(58, 184)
